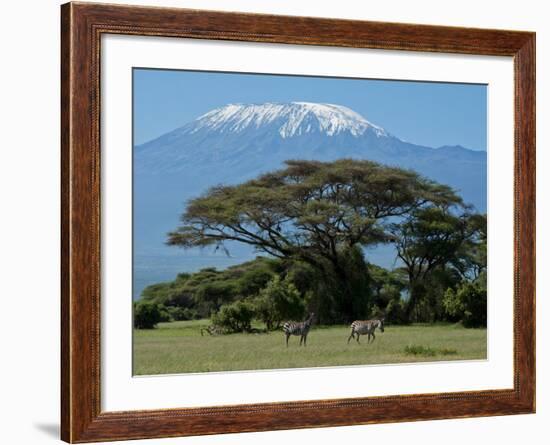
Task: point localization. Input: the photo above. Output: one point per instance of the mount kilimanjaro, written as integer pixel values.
(237, 142)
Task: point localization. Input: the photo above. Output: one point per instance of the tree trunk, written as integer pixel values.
(344, 289)
(414, 291)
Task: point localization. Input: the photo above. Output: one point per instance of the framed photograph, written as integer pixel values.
(274, 222)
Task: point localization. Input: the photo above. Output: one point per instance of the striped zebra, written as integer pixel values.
(213, 330)
(298, 328)
(362, 327)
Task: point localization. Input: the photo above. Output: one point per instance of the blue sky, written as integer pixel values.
(425, 113)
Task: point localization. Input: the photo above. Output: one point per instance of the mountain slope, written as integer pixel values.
(235, 132)
(239, 141)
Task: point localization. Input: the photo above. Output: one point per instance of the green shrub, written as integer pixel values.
(278, 301)
(146, 314)
(420, 350)
(468, 303)
(235, 317)
(426, 351)
(452, 305)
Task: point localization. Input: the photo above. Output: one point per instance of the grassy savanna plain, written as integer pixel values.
(178, 347)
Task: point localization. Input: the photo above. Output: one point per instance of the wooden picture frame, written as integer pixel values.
(82, 25)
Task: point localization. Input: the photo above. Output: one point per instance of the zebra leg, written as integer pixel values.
(305, 339)
(352, 335)
(357, 333)
(301, 339)
(287, 336)
(373, 337)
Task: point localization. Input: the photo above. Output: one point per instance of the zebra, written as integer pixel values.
(213, 330)
(368, 327)
(298, 328)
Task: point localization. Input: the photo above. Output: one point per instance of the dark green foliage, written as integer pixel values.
(278, 301)
(375, 312)
(474, 299)
(471, 258)
(387, 287)
(355, 297)
(301, 274)
(320, 300)
(428, 241)
(452, 305)
(215, 293)
(314, 287)
(182, 313)
(206, 291)
(385, 284)
(253, 280)
(235, 317)
(395, 312)
(468, 303)
(147, 314)
(173, 293)
(429, 307)
(387, 294)
(341, 293)
(165, 315)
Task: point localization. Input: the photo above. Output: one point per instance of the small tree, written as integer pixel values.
(427, 240)
(146, 315)
(278, 301)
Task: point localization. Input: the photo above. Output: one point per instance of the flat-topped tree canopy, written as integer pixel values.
(310, 210)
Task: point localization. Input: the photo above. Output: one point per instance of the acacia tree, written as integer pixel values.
(311, 211)
(471, 260)
(428, 239)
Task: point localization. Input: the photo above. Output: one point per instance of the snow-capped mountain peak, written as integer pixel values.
(238, 142)
(288, 119)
